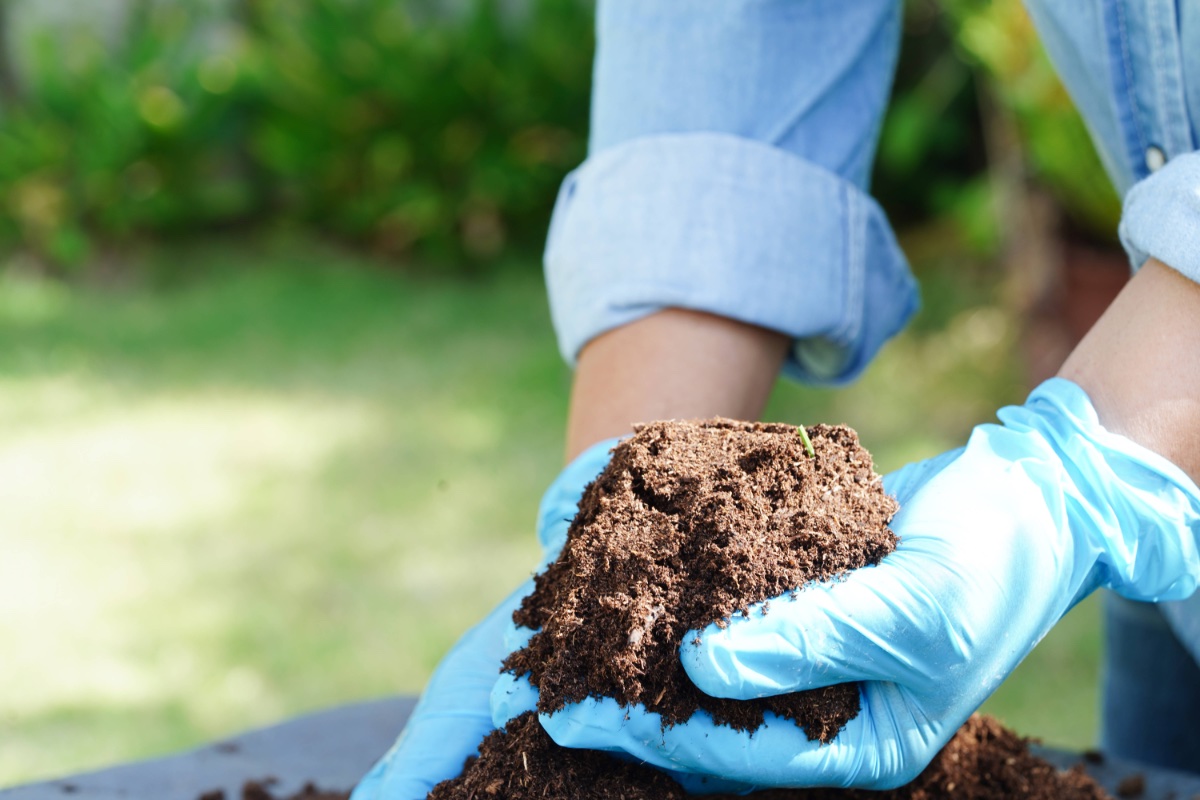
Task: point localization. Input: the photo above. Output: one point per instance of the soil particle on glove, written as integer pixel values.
(690, 524)
(984, 761)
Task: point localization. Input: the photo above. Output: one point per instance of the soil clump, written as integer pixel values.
(690, 524)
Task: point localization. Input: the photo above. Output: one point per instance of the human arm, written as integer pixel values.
(720, 228)
(731, 143)
(1140, 364)
(997, 541)
(673, 364)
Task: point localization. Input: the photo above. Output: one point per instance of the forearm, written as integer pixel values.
(728, 185)
(1140, 364)
(674, 364)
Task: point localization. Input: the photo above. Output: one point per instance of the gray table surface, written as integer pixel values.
(335, 748)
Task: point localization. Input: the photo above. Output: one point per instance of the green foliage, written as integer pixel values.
(437, 131)
(388, 124)
(386, 129)
(117, 141)
(931, 144)
(968, 71)
(999, 40)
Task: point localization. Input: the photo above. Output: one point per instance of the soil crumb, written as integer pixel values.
(1132, 785)
(984, 761)
(690, 524)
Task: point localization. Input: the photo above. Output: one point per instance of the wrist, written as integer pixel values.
(673, 364)
(1140, 365)
(1127, 516)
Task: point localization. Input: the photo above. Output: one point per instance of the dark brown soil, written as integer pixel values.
(984, 761)
(522, 761)
(691, 523)
(260, 790)
(1132, 785)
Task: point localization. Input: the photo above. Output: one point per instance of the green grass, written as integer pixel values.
(255, 481)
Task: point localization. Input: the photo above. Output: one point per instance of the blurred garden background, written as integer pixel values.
(278, 388)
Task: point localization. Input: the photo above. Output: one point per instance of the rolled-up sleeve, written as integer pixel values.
(1133, 70)
(731, 145)
(1162, 217)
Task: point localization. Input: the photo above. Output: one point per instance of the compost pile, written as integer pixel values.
(693, 523)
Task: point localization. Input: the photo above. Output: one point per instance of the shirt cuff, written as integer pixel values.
(730, 226)
(1161, 218)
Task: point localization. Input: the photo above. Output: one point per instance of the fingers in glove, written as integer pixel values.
(516, 637)
(827, 634)
(947, 595)
(881, 748)
(431, 749)
(512, 696)
(904, 482)
(875, 624)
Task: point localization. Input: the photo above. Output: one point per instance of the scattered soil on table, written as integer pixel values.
(260, 790)
(984, 761)
(690, 524)
(1132, 785)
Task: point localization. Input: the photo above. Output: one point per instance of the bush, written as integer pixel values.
(391, 125)
(452, 136)
(434, 135)
(999, 41)
(117, 141)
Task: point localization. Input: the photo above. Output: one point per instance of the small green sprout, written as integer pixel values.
(807, 441)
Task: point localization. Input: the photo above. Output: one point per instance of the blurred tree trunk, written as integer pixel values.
(1057, 284)
(1031, 253)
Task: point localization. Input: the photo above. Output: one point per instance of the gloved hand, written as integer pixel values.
(997, 541)
(453, 714)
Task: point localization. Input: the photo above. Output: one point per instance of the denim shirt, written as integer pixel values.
(732, 142)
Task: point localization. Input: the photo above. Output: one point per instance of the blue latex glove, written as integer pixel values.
(997, 541)
(453, 714)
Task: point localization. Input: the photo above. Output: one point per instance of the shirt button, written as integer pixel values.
(1155, 158)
